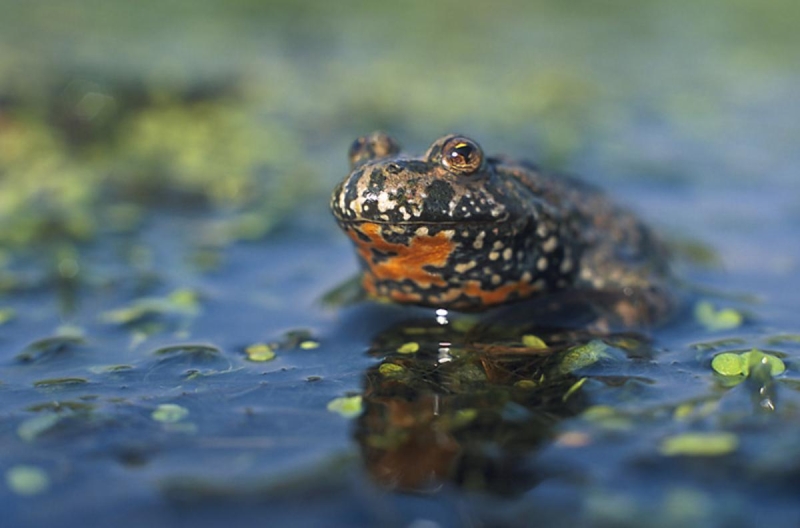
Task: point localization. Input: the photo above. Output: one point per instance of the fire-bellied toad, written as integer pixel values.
(456, 229)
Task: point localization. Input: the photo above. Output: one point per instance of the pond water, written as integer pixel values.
(166, 354)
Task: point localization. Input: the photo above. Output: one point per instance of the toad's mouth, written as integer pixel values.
(499, 220)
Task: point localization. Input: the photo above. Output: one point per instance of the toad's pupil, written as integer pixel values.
(462, 151)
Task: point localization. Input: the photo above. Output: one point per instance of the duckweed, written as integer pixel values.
(532, 341)
(408, 348)
(31, 428)
(6, 315)
(574, 388)
(347, 406)
(27, 480)
(260, 352)
(391, 369)
(169, 413)
(716, 320)
(733, 364)
(700, 444)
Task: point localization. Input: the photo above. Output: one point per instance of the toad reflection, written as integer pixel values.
(445, 407)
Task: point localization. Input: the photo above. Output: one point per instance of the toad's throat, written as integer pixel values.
(401, 261)
(420, 271)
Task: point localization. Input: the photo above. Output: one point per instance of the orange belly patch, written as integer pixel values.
(416, 263)
(403, 262)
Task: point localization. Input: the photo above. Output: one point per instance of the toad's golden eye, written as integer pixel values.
(461, 155)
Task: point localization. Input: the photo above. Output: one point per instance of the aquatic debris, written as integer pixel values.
(58, 406)
(65, 340)
(347, 406)
(700, 444)
(309, 345)
(108, 369)
(714, 319)
(260, 352)
(60, 382)
(411, 347)
(733, 364)
(200, 352)
(169, 413)
(27, 480)
(184, 361)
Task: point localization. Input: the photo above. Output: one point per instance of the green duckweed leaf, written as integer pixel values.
(532, 341)
(733, 364)
(463, 416)
(347, 406)
(391, 370)
(169, 413)
(607, 417)
(700, 444)
(599, 412)
(754, 357)
(27, 480)
(728, 364)
(716, 320)
(575, 388)
(30, 429)
(260, 352)
(181, 302)
(408, 348)
(6, 315)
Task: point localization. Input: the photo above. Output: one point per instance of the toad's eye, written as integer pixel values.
(371, 147)
(461, 155)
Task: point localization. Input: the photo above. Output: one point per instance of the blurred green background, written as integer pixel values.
(249, 106)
